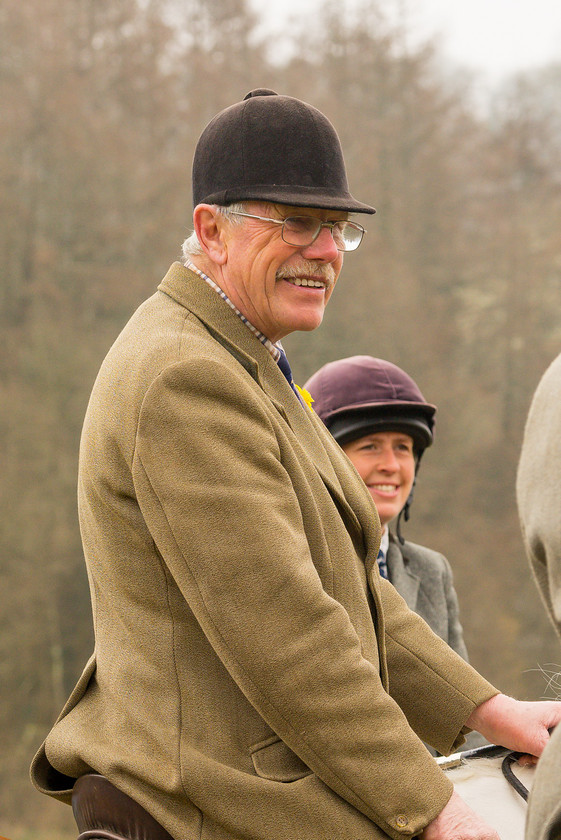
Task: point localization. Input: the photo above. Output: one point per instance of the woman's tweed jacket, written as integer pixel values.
(239, 688)
(424, 580)
(539, 504)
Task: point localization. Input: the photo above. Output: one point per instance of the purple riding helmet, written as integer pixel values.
(360, 395)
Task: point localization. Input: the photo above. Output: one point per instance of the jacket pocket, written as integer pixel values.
(273, 760)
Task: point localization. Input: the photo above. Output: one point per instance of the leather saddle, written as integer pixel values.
(102, 812)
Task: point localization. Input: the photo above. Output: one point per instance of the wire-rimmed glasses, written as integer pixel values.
(302, 231)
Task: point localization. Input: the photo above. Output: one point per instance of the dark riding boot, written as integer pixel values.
(102, 812)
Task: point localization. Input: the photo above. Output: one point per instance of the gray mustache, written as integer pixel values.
(308, 268)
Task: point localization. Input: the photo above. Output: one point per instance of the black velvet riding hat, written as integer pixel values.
(272, 148)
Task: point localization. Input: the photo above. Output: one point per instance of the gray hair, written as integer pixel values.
(192, 247)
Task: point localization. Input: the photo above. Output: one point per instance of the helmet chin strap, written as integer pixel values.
(405, 510)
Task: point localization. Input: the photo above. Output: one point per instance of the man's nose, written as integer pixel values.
(323, 248)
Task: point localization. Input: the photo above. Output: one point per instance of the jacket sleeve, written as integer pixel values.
(224, 513)
(445, 681)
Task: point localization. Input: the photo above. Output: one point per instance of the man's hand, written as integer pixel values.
(457, 821)
(515, 724)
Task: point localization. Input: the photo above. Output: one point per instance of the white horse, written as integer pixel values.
(494, 785)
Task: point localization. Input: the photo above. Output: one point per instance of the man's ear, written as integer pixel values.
(209, 227)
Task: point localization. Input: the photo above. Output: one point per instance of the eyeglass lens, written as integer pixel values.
(303, 230)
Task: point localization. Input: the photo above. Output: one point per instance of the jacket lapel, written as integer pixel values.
(191, 291)
(406, 583)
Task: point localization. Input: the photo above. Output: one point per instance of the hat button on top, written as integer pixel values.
(260, 92)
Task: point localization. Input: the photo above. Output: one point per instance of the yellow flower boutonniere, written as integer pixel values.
(306, 396)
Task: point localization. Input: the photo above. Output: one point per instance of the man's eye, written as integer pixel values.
(337, 233)
(300, 224)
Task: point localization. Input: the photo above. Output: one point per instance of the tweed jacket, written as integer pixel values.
(240, 688)
(538, 488)
(424, 580)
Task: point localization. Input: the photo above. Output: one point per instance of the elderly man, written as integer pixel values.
(539, 492)
(253, 677)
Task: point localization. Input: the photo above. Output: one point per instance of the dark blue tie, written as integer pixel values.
(382, 565)
(287, 373)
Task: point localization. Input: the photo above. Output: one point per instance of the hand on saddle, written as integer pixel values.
(516, 724)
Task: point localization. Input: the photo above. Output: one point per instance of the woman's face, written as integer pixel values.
(386, 463)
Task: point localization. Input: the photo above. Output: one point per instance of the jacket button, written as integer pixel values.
(401, 821)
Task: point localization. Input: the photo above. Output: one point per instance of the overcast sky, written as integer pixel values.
(493, 37)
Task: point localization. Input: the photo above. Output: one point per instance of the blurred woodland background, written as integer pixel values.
(458, 281)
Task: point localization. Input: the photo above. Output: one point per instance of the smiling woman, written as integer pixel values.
(386, 463)
(378, 415)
